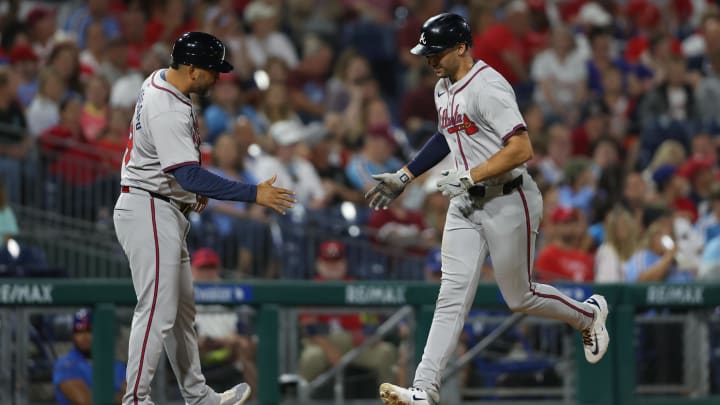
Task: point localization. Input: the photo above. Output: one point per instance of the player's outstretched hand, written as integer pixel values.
(201, 204)
(390, 186)
(273, 197)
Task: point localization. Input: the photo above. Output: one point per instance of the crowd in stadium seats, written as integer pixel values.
(620, 99)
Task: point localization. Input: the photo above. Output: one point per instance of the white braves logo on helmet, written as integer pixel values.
(422, 39)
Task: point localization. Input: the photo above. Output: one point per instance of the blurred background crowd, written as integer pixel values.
(621, 99)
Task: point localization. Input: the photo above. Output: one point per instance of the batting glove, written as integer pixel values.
(391, 185)
(454, 183)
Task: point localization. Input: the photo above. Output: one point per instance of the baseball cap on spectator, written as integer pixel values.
(37, 14)
(433, 260)
(331, 250)
(21, 53)
(562, 214)
(693, 167)
(205, 257)
(663, 174)
(382, 132)
(257, 10)
(287, 132)
(82, 321)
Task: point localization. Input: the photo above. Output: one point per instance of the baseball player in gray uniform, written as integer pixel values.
(495, 206)
(161, 181)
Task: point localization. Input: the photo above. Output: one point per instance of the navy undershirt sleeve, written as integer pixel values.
(434, 150)
(195, 179)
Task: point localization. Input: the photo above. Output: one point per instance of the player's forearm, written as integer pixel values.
(434, 150)
(197, 180)
(516, 152)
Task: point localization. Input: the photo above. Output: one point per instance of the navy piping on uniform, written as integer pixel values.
(175, 166)
(529, 264)
(452, 105)
(154, 301)
(513, 131)
(152, 82)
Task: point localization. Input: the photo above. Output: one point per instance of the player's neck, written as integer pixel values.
(175, 78)
(465, 65)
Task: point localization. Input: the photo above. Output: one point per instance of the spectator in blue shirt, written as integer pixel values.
(72, 374)
(656, 260)
(93, 11)
(376, 156)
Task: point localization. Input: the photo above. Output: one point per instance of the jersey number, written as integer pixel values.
(129, 146)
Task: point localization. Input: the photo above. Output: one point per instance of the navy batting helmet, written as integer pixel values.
(202, 50)
(441, 32)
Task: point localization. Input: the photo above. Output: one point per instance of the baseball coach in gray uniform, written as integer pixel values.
(161, 181)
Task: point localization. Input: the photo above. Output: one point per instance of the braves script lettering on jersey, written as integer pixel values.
(474, 116)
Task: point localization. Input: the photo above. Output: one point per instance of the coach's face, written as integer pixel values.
(202, 80)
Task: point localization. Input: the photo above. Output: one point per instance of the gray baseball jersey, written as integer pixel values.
(477, 115)
(163, 136)
(152, 231)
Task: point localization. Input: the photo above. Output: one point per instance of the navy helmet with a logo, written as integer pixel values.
(202, 50)
(441, 32)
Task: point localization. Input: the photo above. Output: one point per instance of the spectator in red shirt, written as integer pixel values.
(562, 259)
(504, 45)
(95, 111)
(400, 228)
(111, 141)
(420, 119)
(168, 22)
(327, 337)
(65, 145)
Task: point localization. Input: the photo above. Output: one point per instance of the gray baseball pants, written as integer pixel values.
(152, 233)
(505, 227)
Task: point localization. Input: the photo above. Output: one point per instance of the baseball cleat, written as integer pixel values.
(394, 395)
(236, 395)
(596, 337)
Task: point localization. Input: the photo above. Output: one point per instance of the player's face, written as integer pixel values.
(445, 63)
(203, 80)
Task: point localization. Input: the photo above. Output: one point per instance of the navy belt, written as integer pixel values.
(185, 208)
(126, 189)
(479, 191)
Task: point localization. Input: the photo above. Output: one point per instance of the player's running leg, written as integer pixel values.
(511, 224)
(463, 253)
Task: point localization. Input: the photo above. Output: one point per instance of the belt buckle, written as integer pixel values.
(493, 190)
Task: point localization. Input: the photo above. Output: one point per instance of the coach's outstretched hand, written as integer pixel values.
(273, 197)
(391, 185)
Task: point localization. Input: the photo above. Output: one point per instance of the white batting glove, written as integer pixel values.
(454, 183)
(391, 185)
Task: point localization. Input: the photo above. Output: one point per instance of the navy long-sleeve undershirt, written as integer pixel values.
(195, 179)
(434, 150)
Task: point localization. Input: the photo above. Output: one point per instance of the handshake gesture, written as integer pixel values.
(391, 185)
